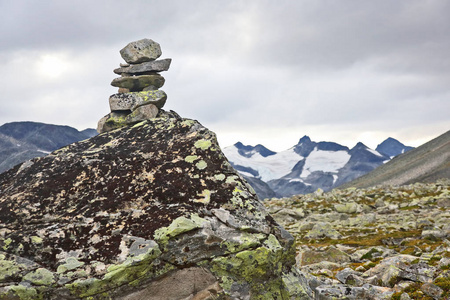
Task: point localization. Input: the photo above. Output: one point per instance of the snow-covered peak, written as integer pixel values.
(325, 161)
(268, 167)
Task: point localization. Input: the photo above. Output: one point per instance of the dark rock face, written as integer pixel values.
(20, 141)
(113, 216)
(391, 147)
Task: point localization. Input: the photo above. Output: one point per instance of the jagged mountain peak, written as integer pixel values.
(249, 151)
(392, 147)
(304, 139)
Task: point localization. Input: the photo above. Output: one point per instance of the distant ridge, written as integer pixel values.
(307, 166)
(20, 141)
(427, 163)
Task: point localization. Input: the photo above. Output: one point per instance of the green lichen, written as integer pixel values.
(202, 144)
(273, 244)
(201, 165)
(36, 240)
(25, 293)
(40, 276)
(260, 268)
(245, 241)
(190, 158)
(177, 227)
(8, 268)
(133, 272)
(219, 177)
(139, 124)
(6, 243)
(71, 264)
(205, 197)
(188, 122)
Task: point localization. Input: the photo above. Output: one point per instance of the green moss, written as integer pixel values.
(444, 284)
(369, 255)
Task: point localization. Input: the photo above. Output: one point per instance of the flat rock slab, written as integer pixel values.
(151, 66)
(127, 212)
(130, 101)
(138, 83)
(141, 51)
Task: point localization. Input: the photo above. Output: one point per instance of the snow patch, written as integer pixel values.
(335, 177)
(246, 174)
(270, 167)
(326, 161)
(374, 152)
(43, 151)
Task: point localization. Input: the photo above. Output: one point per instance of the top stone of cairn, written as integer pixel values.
(141, 51)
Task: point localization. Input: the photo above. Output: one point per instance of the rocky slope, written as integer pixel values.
(375, 243)
(149, 211)
(426, 163)
(307, 166)
(20, 141)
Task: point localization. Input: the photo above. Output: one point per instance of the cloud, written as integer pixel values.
(253, 70)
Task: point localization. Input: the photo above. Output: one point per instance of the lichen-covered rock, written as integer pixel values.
(138, 83)
(129, 101)
(129, 212)
(151, 66)
(141, 51)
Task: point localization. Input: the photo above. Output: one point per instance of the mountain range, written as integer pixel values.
(308, 165)
(301, 169)
(427, 163)
(20, 141)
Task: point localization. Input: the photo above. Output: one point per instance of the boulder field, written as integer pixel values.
(383, 242)
(149, 211)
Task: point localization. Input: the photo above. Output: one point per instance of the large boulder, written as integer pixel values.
(150, 211)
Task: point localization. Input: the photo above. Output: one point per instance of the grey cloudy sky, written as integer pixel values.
(255, 71)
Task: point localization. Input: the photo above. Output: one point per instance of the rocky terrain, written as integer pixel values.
(377, 243)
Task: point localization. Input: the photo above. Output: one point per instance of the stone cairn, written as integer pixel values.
(139, 97)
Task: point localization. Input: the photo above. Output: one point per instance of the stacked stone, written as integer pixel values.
(139, 97)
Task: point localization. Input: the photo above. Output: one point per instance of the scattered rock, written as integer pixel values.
(323, 230)
(396, 243)
(348, 208)
(331, 254)
(432, 290)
